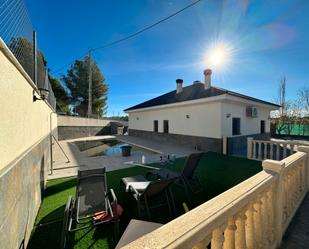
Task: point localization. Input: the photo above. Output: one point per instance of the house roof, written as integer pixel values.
(192, 92)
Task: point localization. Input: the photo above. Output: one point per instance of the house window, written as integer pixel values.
(155, 125)
(262, 126)
(165, 126)
(236, 126)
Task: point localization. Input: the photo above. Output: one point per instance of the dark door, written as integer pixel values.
(236, 126)
(165, 126)
(155, 125)
(262, 126)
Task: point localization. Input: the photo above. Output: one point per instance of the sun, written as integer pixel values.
(218, 55)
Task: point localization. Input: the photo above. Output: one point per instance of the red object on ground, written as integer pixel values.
(99, 216)
(104, 216)
(118, 209)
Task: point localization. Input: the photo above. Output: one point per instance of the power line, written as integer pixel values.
(133, 34)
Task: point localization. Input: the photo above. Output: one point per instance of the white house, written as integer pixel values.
(199, 115)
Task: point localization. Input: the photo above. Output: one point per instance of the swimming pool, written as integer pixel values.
(110, 147)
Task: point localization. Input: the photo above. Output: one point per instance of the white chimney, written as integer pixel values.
(179, 85)
(207, 73)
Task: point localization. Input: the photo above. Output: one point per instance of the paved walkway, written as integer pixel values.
(297, 234)
(78, 160)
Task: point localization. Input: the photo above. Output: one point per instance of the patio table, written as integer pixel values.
(138, 182)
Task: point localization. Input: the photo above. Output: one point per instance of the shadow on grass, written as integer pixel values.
(60, 185)
(47, 237)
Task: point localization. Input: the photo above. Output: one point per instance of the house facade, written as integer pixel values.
(200, 115)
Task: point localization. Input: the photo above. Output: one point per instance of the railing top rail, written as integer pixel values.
(186, 230)
(278, 142)
(294, 159)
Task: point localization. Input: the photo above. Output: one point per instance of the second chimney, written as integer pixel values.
(207, 73)
(179, 85)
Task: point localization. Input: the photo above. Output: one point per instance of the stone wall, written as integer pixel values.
(21, 188)
(203, 143)
(71, 132)
(70, 127)
(237, 146)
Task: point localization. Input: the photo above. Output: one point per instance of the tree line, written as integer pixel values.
(71, 90)
(293, 114)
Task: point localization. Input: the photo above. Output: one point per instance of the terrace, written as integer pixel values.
(257, 198)
(217, 173)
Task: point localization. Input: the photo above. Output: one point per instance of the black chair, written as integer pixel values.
(186, 177)
(150, 194)
(93, 204)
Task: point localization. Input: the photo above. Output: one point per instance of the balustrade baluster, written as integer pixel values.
(303, 175)
(250, 238)
(217, 239)
(299, 179)
(278, 152)
(265, 150)
(294, 185)
(240, 234)
(271, 153)
(286, 198)
(260, 151)
(229, 234)
(265, 224)
(292, 149)
(202, 244)
(271, 213)
(254, 150)
(284, 150)
(258, 224)
(290, 192)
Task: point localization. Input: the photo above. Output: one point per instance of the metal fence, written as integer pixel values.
(17, 32)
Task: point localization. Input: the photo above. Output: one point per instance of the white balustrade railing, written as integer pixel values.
(261, 149)
(252, 215)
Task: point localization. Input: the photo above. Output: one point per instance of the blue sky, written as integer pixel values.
(267, 39)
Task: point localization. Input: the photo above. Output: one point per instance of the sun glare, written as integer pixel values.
(218, 55)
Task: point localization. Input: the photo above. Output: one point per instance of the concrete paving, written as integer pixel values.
(297, 234)
(63, 167)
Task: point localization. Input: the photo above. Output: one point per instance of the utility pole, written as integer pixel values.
(89, 85)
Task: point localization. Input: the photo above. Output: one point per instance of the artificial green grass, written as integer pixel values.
(216, 173)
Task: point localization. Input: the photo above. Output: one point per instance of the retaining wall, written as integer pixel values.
(25, 129)
(203, 143)
(75, 127)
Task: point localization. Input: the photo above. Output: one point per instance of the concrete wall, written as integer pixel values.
(71, 132)
(25, 150)
(203, 120)
(75, 127)
(79, 121)
(202, 143)
(247, 125)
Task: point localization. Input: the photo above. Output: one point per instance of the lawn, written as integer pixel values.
(216, 172)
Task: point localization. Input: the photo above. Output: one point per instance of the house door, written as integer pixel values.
(236, 126)
(262, 126)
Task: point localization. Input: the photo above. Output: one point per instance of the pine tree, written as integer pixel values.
(76, 79)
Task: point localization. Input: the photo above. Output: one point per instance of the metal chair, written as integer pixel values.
(149, 192)
(93, 204)
(186, 177)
